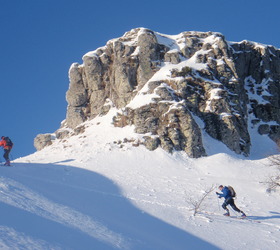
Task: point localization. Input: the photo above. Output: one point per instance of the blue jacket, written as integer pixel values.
(225, 193)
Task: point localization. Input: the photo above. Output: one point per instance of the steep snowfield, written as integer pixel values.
(92, 191)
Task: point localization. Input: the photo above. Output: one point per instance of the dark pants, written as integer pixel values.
(230, 202)
(6, 154)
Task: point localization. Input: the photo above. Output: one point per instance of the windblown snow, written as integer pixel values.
(97, 190)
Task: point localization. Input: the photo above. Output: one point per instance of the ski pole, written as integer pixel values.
(218, 203)
(12, 158)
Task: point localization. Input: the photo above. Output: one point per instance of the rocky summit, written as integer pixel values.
(175, 88)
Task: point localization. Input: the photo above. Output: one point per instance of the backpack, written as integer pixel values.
(232, 191)
(8, 142)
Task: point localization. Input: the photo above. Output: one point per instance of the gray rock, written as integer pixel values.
(236, 87)
(151, 143)
(42, 140)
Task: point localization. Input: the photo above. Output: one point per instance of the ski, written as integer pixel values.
(245, 218)
(3, 165)
(238, 217)
(235, 217)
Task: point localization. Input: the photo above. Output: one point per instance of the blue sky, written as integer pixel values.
(40, 39)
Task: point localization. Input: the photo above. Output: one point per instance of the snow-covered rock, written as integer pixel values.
(173, 89)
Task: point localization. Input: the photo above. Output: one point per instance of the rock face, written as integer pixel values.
(175, 88)
(42, 140)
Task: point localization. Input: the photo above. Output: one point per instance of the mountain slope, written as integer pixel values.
(95, 191)
(94, 184)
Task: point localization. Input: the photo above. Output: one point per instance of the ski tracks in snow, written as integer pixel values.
(19, 196)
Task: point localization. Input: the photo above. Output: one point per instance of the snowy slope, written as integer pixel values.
(93, 191)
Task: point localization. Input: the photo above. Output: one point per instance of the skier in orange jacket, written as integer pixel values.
(7, 144)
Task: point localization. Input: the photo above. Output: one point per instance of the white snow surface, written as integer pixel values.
(92, 191)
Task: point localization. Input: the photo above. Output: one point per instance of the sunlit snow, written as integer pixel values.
(98, 191)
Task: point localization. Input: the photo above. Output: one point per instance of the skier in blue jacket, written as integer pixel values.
(228, 200)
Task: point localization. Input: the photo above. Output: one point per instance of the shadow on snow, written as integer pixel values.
(275, 215)
(74, 208)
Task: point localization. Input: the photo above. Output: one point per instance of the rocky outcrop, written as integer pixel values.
(175, 88)
(42, 140)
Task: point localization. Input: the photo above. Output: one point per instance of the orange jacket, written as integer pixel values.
(4, 144)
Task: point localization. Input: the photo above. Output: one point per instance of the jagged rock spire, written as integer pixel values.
(175, 88)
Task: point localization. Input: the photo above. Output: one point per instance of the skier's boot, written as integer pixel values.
(243, 215)
(227, 214)
(7, 163)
